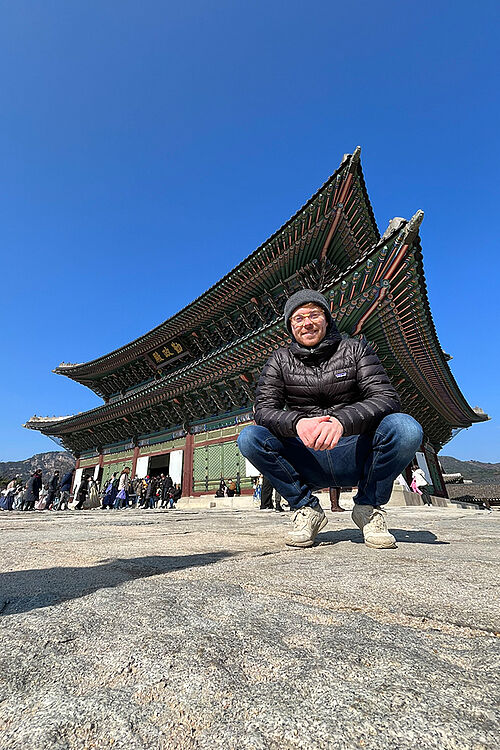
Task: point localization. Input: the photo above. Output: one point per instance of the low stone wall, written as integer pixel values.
(399, 498)
(244, 502)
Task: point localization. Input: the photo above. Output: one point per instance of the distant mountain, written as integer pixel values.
(48, 462)
(478, 472)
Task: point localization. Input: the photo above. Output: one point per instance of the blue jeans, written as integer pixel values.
(120, 502)
(370, 462)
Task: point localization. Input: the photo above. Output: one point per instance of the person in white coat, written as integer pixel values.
(419, 485)
(123, 486)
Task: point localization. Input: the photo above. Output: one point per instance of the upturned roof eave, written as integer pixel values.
(35, 422)
(469, 413)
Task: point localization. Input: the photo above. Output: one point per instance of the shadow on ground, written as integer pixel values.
(403, 536)
(25, 590)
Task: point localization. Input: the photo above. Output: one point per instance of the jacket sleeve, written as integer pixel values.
(269, 409)
(378, 396)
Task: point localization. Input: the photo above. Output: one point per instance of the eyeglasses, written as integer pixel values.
(314, 317)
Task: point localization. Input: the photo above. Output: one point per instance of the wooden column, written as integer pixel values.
(187, 473)
(134, 460)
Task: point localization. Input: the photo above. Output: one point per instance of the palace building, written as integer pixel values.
(177, 397)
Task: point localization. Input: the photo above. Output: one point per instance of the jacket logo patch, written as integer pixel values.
(342, 374)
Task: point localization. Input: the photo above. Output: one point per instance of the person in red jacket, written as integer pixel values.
(327, 415)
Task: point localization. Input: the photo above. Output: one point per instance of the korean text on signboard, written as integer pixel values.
(167, 353)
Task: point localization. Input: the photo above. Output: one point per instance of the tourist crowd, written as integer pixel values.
(147, 493)
(117, 493)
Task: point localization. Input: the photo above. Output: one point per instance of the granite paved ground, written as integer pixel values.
(199, 629)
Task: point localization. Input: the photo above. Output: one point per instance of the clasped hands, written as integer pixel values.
(320, 433)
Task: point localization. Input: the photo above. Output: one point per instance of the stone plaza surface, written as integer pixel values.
(200, 629)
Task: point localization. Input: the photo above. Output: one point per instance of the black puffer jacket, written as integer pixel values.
(342, 377)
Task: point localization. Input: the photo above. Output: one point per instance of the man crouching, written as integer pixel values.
(327, 416)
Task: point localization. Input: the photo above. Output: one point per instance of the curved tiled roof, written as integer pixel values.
(376, 287)
(382, 295)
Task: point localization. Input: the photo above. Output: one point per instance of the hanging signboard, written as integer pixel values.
(164, 355)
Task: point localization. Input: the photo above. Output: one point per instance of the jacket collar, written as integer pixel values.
(324, 350)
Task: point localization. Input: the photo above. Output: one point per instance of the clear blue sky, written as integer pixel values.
(147, 147)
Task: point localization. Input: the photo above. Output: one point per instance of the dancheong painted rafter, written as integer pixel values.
(197, 371)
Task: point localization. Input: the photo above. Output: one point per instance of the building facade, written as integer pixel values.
(177, 397)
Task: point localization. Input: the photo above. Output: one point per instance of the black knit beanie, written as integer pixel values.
(303, 297)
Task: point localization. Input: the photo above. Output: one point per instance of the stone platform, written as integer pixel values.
(201, 630)
(399, 498)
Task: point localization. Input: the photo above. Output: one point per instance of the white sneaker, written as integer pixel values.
(307, 522)
(372, 523)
